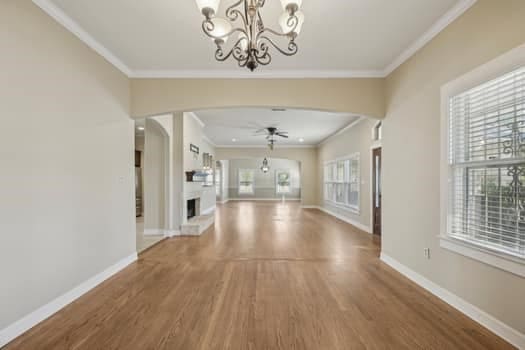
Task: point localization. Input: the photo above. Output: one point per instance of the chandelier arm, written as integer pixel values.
(264, 59)
(236, 51)
(243, 63)
(262, 56)
(290, 51)
(233, 13)
(208, 27)
(292, 22)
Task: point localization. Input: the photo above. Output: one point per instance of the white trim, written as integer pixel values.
(197, 119)
(61, 17)
(24, 324)
(347, 220)
(208, 211)
(154, 232)
(351, 156)
(171, 233)
(502, 260)
(501, 65)
(499, 328)
(349, 208)
(449, 17)
(67, 22)
(310, 207)
(224, 201)
(263, 199)
(209, 141)
(340, 131)
(240, 74)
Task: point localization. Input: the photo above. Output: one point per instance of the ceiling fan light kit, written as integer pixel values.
(271, 134)
(253, 39)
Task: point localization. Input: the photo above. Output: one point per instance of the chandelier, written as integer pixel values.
(265, 166)
(253, 39)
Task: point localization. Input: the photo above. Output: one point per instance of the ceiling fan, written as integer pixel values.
(271, 133)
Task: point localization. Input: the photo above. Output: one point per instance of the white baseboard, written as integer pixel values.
(501, 329)
(224, 201)
(265, 199)
(171, 233)
(23, 325)
(359, 225)
(208, 211)
(310, 207)
(154, 232)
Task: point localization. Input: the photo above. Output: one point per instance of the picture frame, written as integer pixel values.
(194, 148)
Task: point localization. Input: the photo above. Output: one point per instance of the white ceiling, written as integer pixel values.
(345, 37)
(224, 125)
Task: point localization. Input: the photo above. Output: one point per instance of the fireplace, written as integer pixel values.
(193, 208)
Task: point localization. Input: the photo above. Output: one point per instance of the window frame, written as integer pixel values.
(239, 182)
(331, 167)
(498, 258)
(277, 172)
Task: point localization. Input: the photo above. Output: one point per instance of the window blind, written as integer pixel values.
(487, 160)
(246, 181)
(342, 183)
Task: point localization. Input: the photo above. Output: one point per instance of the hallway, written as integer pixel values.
(269, 276)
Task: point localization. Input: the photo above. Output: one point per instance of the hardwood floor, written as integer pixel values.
(269, 276)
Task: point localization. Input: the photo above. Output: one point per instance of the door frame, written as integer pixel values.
(375, 145)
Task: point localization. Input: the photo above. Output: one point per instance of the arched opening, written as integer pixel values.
(153, 189)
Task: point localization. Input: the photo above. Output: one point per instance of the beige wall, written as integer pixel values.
(58, 96)
(307, 157)
(66, 153)
(357, 139)
(411, 153)
(358, 96)
(156, 175)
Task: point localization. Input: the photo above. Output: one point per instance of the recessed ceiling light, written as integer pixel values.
(234, 140)
(141, 128)
(301, 140)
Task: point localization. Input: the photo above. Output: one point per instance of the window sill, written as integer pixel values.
(506, 262)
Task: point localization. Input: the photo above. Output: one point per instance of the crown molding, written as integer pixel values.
(197, 119)
(340, 131)
(241, 74)
(454, 13)
(67, 22)
(208, 140)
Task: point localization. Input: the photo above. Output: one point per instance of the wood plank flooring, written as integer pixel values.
(268, 276)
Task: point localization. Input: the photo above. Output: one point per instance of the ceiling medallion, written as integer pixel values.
(253, 40)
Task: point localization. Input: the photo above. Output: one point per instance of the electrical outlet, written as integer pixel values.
(427, 253)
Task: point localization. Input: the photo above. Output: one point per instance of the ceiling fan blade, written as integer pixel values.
(285, 136)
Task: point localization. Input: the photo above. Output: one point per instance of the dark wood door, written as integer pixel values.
(376, 159)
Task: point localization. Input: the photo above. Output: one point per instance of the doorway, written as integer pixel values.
(376, 178)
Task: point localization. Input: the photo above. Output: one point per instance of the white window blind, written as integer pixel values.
(246, 181)
(487, 164)
(342, 183)
(283, 182)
